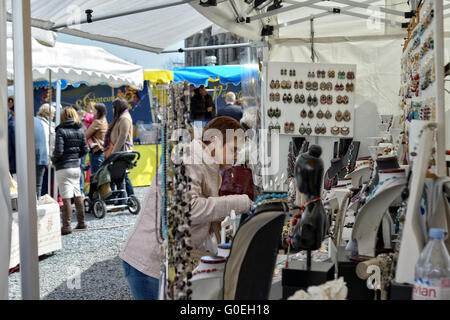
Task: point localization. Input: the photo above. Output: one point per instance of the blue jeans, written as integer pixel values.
(141, 285)
(96, 160)
(83, 169)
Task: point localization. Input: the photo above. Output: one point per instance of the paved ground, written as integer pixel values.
(88, 266)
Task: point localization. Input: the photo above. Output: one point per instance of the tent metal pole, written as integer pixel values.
(283, 9)
(57, 121)
(329, 11)
(365, 6)
(221, 46)
(5, 199)
(120, 14)
(49, 176)
(25, 159)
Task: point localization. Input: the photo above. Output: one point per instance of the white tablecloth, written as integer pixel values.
(49, 232)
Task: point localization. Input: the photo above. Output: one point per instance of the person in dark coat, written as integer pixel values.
(11, 142)
(202, 105)
(231, 109)
(70, 146)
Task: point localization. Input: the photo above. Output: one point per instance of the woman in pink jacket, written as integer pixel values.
(142, 255)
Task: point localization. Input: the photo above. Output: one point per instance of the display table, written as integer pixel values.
(142, 175)
(49, 232)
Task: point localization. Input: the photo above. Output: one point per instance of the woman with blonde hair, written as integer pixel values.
(70, 146)
(46, 114)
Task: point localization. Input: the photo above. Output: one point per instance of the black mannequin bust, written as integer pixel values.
(313, 225)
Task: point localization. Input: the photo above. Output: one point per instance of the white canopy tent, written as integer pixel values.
(363, 33)
(154, 26)
(75, 63)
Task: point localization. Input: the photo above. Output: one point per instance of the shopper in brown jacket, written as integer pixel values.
(97, 132)
(142, 256)
(121, 136)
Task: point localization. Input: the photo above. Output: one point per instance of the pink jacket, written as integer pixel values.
(142, 249)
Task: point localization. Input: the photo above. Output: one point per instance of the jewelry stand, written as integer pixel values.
(411, 241)
(207, 280)
(371, 214)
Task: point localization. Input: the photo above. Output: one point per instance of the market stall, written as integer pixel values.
(352, 125)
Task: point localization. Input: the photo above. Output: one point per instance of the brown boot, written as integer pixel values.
(79, 205)
(66, 217)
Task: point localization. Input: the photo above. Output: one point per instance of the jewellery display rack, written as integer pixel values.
(175, 209)
(292, 104)
(421, 88)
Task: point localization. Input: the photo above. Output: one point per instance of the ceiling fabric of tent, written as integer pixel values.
(75, 63)
(150, 30)
(327, 26)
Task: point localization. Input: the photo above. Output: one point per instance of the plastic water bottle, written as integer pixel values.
(432, 272)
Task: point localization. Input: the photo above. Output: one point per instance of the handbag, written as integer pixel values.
(237, 180)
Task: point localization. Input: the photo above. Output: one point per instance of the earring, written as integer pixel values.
(286, 127)
(328, 115)
(297, 98)
(338, 116)
(277, 84)
(302, 98)
(315, 86)
(270, 112)
(277, 127)
(308, 129)
(296, 85)
(319, 114)
(271, 96)
(323, 99)
(309, 101)
(300, 85)
(308, 85)
(285, 98)
(302, 129)
(277, 97)
(288, 84)
(272, 84)
(339, 99)
(310, 114)
(277, 113)
(324, 128)
(303, 113)
(289, 98)
(345, 100)
(317, 129)
(291, 127)
(335, 130)
(314, 101)
(330, 99)
(345, 131)
(347, 116)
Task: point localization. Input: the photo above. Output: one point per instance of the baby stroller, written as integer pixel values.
(101, 198)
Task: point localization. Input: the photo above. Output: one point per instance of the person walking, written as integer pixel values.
(96, 135)
(121, 137)
(70, 146)
(231, 109)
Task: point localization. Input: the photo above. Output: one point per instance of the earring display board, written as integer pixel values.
(310, 99)
(422, 79)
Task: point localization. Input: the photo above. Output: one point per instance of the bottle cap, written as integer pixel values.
(436, 233)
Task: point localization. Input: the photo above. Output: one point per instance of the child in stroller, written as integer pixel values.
(101, 198)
